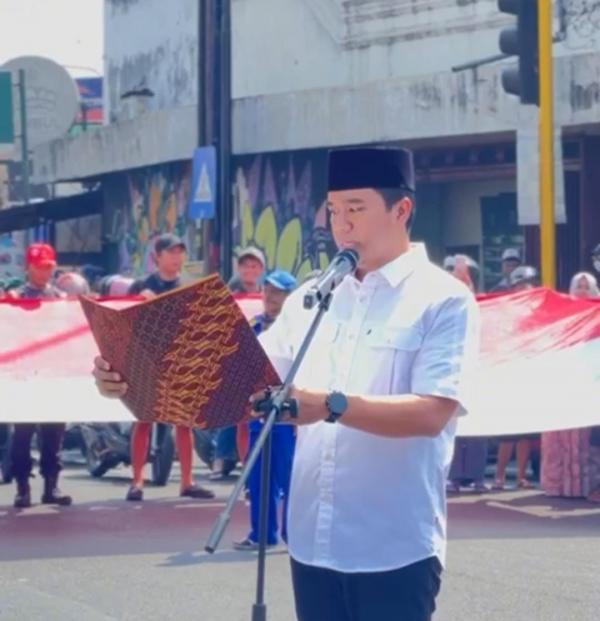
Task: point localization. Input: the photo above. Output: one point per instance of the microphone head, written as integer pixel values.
(350, 255)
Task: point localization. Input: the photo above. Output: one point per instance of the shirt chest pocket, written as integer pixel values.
(319, 369)
(391, 351)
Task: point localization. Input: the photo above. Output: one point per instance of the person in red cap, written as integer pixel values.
(40, 263)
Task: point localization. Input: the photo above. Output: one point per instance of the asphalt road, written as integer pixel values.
(512, 556)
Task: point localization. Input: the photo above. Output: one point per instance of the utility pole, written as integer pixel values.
(547, 223)
(530, 40)
(23, 137)
(214, 124)
(224, 141)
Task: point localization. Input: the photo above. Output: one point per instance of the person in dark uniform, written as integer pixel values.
(170, 252)
(40, 263)
(277, 287)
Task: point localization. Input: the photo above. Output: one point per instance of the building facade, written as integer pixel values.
(336, 73)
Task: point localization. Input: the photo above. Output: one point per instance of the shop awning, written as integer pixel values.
(23, 217)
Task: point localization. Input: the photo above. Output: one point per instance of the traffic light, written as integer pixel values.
(521, 40)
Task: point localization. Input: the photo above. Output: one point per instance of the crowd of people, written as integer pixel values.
(407, 384)
(567, 463)
(564, 452)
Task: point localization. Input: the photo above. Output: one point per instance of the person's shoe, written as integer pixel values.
(247, 545)
(23, 497)
(479, 487)
(135, 494)
(52, 495)
(217, 476)
(195, 491)
(498, 485)
(452, 487)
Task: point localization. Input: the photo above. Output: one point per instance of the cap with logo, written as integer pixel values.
(40, 255)
(167, 241)
(280, 279)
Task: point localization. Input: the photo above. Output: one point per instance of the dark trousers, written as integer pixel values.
(406, 594)
(50, 436)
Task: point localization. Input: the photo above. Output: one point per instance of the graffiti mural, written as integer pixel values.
(12, 255)
(144, 203)
(279, 206)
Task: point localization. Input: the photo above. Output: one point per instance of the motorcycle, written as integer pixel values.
(108, 445)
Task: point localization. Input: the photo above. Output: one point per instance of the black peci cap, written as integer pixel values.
(371, 167)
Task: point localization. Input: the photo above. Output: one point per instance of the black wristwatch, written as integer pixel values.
(337, 404)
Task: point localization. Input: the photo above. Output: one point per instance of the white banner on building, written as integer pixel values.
(528, 166)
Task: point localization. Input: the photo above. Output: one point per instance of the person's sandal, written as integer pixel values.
(135, 494)
(498, 486)
(525, 484)
(195, 491)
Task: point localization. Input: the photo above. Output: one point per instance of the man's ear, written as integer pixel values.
(404, 206)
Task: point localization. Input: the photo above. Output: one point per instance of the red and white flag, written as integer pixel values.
(539, 368)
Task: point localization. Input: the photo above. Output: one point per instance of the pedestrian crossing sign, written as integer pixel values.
(204, 184)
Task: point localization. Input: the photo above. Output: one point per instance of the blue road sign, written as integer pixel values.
(203, 198)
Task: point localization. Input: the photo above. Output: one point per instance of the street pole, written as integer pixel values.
(224, 167)
(547, 224)
(23, 136)
(205, 105)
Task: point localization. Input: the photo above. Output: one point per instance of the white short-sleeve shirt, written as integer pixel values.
(361, 502)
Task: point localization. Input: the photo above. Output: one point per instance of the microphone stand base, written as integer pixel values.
(259, 612)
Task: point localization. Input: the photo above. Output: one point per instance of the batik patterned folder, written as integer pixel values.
(188, 356)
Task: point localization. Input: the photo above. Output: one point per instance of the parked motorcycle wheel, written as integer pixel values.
(162, 454)
(6, 469)
(204, 442)
(96, 463)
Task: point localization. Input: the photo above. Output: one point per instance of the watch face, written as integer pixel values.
(337, 402)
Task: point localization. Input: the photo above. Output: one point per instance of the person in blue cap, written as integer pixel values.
(278, 285)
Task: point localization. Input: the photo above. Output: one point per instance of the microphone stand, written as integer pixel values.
(275, 404)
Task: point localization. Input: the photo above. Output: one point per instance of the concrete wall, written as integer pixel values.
(153, 44)
(317, 73)
(462, 209)
(334, 43)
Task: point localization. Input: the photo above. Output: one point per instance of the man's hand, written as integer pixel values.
(109, 383)
(311, 407)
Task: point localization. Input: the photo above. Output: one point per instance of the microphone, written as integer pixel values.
(343, 264)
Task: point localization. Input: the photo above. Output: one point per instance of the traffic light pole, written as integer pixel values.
(547, 223)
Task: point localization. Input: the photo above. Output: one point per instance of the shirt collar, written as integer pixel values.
(402, 266)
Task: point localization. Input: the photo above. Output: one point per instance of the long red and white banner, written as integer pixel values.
(539, 368)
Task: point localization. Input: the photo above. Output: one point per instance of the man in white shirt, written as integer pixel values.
(379, 393)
